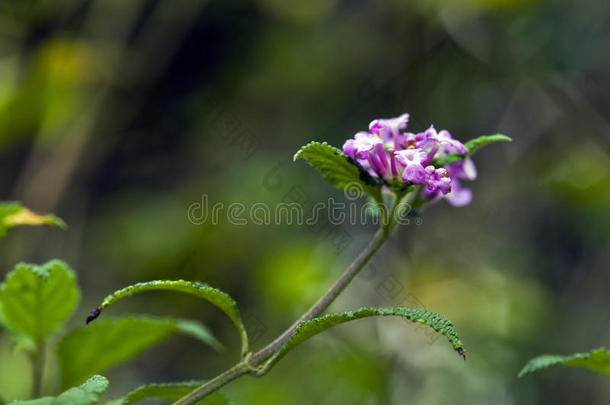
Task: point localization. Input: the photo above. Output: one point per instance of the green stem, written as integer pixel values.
(382, 209)
(392, 222)
(231, 374)
(39, 350)
(37, 370)
(250, 363)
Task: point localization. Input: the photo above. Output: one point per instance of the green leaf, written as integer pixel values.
(169, 392)
(36, 300)
(21, 339)
(597, 360)
(308, 329)
(198, 331)
(477, 143)
(86, 394)
(338, 168)
(38, 401)
(214, 296)
(473, 145)
(13, 214)
(94, 348)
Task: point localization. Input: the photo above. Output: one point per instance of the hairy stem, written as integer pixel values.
(249, 363)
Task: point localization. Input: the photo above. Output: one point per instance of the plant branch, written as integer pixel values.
(249, 364)
(231, 374)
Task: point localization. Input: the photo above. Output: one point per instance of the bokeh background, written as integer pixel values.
(118, 115)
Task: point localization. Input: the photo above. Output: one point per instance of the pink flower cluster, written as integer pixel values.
(395, 156)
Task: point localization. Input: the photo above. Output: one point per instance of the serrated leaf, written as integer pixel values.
(169, 392)
(36, 300)
(97, 347)
(597, 360)
(86, 394)
(308, 329)
(338, 168)
(13, 214)
(213, 295)
(472, 145)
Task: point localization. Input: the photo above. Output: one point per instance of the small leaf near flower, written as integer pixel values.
(473, 145)
(336, 167)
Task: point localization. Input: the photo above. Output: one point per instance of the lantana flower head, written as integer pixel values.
(401, 158)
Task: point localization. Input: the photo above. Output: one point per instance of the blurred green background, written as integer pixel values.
(118, 115)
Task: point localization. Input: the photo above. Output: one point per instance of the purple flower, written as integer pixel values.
(450, 145)
(367, 148)
(362, 143)
(436, 142)
(464, 169)
(405, 158)
(459, 197)
(437, 180)
(412, 160)
(388, 128)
